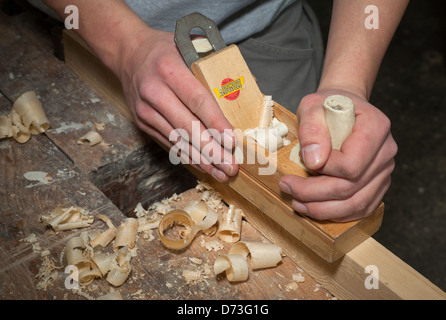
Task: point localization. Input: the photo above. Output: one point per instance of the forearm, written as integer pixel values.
(110, 28)
(354, 53)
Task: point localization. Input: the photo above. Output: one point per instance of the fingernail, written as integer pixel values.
(219, 175)
(311, 154)
(228, 168)
(299, 207)
(284, 187)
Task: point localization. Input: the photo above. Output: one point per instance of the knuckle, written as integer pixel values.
(359, 205)
(310, 100)
(343, 191)
(351, 170)
(385, 122)
(198, 103)
(164, 67)
(393, 149)
(308, 130)
(146, 90)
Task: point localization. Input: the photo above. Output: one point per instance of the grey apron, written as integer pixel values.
(287, 57)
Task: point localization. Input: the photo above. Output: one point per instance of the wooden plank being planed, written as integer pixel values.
(329, 240)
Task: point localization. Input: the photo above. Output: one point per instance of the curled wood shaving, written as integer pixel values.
(230, 225)
(340, 118)
(77, 256)
(120, 267)
(201, 218)
(92, 137)
(270, 133)
(67, 218)
(235, 266)
(26, 118)
(263, 255)
(126, 234)
(104, 238)
(267, 112)
(116, 267)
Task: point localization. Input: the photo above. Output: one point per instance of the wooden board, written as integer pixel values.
(328, 239)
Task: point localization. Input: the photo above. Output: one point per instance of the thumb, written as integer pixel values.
(313, 133)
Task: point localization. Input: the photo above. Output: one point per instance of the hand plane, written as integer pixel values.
(227, 77)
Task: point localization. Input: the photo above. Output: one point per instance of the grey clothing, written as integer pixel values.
(287, 57)
(236, 19)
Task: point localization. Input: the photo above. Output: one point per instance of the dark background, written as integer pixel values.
(411, 91)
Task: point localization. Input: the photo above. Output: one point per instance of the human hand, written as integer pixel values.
(352, 181)
(164, 96)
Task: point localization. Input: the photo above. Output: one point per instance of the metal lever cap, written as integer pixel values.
(182, 35)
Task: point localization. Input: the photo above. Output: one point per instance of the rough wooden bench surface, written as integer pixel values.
(109, 180)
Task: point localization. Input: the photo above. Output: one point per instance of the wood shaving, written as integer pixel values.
(201, 218)
(92, 137)
(213, 245)
(234, 265)
(26, 118)
(270, 133)
(291, 286)
(195, 260)
(298, 278)
(202, 45)
(263, 255)
(47, 273)
(63, 218)
(229, 229)
(126, 234)
(340, 120)
(104, 238)
(100, 126)
(190, 276)
(31, 238)
(211, 197)
(120, 267)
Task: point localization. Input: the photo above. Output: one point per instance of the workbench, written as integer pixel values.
(109, 180)
(112, 180)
